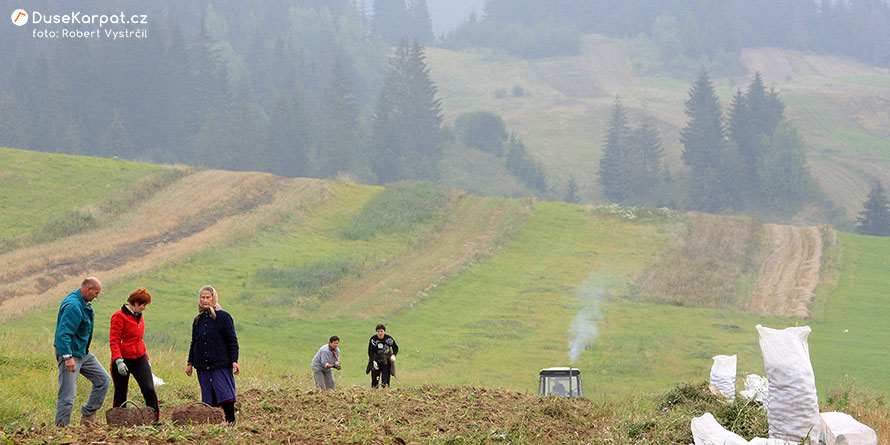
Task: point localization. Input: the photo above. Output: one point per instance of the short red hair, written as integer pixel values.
(140, 296)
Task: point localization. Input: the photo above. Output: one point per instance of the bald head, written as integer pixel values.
(90, 288)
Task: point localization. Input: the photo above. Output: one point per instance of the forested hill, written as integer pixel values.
(309, 88)
(689, 32)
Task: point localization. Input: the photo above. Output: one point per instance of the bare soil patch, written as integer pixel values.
(362, 415)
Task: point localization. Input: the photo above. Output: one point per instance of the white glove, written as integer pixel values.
(393, 358)
(374, 364)
(121, 367)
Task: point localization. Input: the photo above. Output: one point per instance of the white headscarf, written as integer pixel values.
(214, 304)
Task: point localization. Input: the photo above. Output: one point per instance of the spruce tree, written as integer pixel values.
(390, 20)
(524, 166)
(647, 167)
(406, 134)
(421, 22)
(784, 178)
(207, 79)
(338, 150)
(875, 218)
(573, 194)
(289, 138)
(704, 143)
(116, 141)
(613, 171)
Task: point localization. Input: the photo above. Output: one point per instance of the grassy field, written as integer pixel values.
(849, 338)
(26, 201)
(477, 291)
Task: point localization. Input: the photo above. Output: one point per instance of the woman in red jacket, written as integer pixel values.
(128, 351)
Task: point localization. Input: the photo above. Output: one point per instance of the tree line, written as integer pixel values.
(685, 33)
(297, 88)
(751, 160)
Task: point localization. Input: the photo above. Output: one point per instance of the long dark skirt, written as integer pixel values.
(217, 386)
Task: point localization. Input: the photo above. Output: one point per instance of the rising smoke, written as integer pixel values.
(583, 332)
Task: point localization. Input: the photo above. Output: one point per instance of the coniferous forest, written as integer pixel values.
(341, 87)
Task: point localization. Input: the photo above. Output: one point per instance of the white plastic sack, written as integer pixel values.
(793, 412)
(707, 431)
(723, 373)
(843, 429)
(757, 388)
(157, 380)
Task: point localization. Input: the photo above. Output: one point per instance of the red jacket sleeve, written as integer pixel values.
(115, 335)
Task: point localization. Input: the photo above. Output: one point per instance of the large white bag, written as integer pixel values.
(723, 374)
(843, 429)
(793, 412)
(707, 431)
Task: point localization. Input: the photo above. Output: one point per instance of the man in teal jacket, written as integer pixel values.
(74, 332)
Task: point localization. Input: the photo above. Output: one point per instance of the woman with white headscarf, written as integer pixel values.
(214, 353)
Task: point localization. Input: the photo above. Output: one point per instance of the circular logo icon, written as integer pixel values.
(20, 17)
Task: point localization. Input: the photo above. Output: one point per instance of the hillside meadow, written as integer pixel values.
(479, 293)
(560, 106)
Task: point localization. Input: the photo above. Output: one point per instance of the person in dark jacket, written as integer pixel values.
(382, 350)
(74, 333)
(214, 353)
(128, 354)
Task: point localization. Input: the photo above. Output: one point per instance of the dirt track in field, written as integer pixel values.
(198, 211)
(788, 277)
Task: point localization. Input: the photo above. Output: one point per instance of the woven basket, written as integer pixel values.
(196, 413)
(122, 416)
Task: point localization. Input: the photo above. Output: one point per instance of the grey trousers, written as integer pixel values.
(323, 380)
(90, 367)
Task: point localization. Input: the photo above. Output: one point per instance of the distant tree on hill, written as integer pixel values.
(573, 193)
(613, 172)
(766, 158)
(406, 135)
(875, 218)
(116, 141)
(208, 83)
(650, 172)
(524, 166)
(753, 116)
(288, 141)
(391, 20)
(631, 167)
(339, 150)
(421, 22)
(784, 176)
(704, 149)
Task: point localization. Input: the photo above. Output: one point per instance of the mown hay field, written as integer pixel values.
(514, 285)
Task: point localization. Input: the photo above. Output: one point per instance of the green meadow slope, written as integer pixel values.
(477, 291)
(840, 106)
